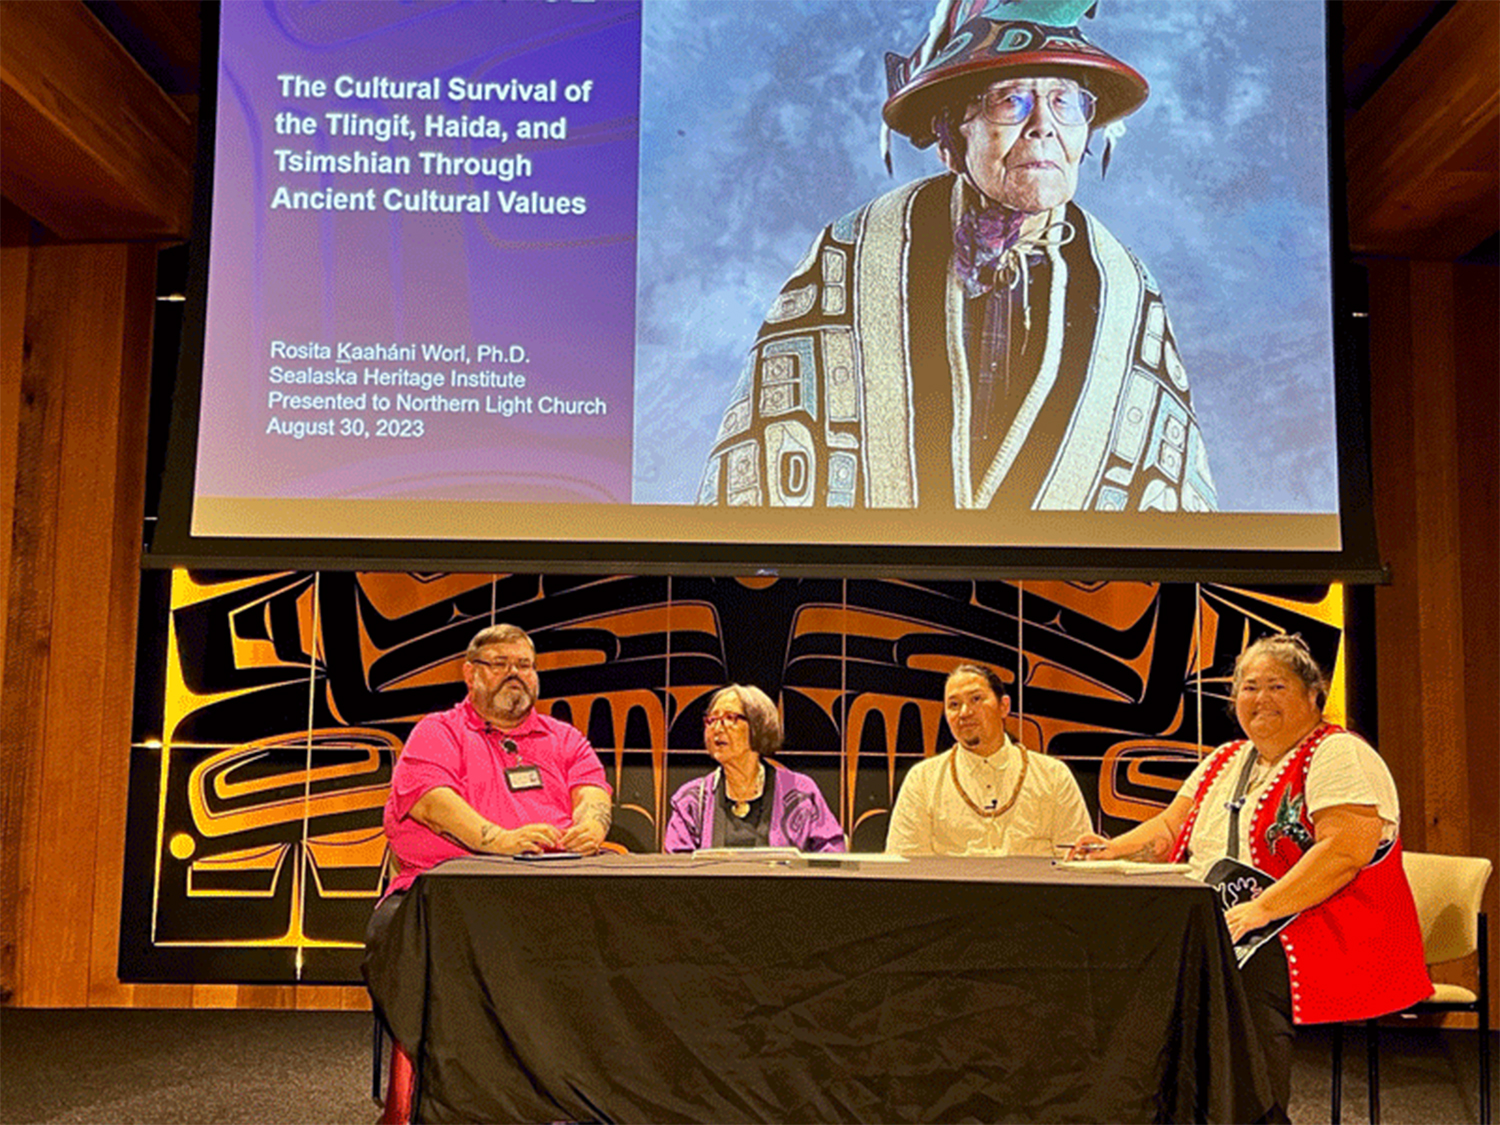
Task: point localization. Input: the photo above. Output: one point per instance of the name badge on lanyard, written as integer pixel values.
(520, 778)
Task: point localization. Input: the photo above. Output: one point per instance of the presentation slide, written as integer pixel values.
(1052, 274)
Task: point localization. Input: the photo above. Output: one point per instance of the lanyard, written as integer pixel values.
(1237, 802)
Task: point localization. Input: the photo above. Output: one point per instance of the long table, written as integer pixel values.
(662, 988)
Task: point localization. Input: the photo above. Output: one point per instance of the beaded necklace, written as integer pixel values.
(989, 814)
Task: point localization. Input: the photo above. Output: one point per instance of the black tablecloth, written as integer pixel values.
(653, 988)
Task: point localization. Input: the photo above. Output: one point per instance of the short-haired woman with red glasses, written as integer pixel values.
(750, 800)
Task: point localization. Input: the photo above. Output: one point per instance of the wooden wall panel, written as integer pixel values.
(29, 610)
(15, 253)
(1439, 589)
(85, 363)
(1433, 345)
(1476, 314)
(15, 256)
(1399, 701)
(118, 563)
(69, 358)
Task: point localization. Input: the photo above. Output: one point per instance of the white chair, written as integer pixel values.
(1449, 890)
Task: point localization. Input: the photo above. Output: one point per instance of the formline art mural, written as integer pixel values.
(255, 852)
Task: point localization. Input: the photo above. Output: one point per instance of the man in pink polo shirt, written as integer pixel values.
(491, 775)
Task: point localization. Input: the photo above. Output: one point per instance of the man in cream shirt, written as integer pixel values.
(986, 795)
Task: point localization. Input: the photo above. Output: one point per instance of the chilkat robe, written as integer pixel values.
(857, 391)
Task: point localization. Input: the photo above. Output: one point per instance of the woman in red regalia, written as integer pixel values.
(1313, 810)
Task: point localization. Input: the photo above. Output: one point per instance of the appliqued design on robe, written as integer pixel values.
(857, 391)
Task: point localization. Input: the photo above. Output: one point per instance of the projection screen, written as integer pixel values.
(602, 283)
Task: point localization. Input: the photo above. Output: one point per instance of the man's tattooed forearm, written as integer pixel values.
(488, 835)
(601, 814)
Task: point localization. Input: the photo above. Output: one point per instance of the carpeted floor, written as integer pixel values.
(270, 1068)
(128, 1066)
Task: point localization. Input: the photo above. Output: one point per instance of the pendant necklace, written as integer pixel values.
(741, 808)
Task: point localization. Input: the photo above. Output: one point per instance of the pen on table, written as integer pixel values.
(1077, 852)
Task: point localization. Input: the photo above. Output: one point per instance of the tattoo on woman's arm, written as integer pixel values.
(487, 835)
(1155, 849)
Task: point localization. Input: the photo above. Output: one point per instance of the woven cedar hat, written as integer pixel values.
(986, 39)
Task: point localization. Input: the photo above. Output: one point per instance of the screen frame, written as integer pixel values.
(169, 541)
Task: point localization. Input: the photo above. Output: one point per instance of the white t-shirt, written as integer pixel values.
(1345, 770)
(932, 818)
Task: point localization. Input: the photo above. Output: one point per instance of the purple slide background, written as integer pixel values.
(561, 286)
